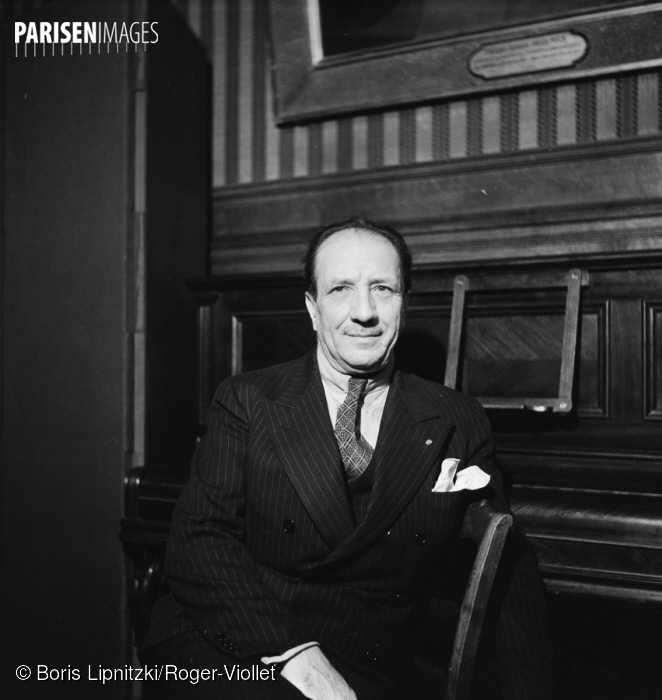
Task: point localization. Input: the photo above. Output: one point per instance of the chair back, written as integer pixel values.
(488, 528)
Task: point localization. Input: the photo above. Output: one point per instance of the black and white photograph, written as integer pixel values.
(331, 349)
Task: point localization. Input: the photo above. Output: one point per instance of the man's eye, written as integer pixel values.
(339, 288)
(383, 288)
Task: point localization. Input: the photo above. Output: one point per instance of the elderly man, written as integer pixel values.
(311, 536)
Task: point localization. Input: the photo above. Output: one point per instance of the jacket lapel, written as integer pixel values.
(304, 439)
(411, 437)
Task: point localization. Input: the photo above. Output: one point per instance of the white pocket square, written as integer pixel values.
(471, 478)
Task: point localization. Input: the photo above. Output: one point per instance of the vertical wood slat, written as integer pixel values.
(586, 112)
(231, 105)
(272, 138)
(360, 143)
(245, 92)
(460, 286)
(649, 104)
(136, 254)
(474, 127)
(204, 352)
(547, 114)
(568, 358)
(440, 132)
(605, 110)
(346, 145)
(286, 153)
(457, 118)
(528, 120)
(566, 119)
(259, 126)
(510, 122)
(491, 125)
(219, 92)
(237, 347)
(314, 132)
(625, 364)
(626, 106)
(301, 146)
(391, 139)
(407, 136)
(652, 377)
(330, 147)
(375, 140)
(424, 134)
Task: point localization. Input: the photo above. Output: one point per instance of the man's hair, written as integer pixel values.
(360, 224)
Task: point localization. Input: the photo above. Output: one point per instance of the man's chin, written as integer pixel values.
(364, 363)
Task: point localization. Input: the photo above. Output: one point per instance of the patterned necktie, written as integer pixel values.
(356, 453)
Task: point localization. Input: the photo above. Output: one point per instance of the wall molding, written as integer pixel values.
(519, 209)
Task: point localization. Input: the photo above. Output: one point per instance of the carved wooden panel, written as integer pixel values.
(592, 387)
(513, 354)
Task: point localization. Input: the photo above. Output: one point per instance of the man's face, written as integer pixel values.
(360, 306)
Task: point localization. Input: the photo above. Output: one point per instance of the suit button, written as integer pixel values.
(371, 656)
(289, 527)
(421, 539)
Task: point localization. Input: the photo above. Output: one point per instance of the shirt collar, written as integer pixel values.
(334, 379)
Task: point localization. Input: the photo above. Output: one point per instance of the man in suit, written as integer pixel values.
(311, 536)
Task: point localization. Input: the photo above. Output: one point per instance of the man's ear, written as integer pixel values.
(311, 305)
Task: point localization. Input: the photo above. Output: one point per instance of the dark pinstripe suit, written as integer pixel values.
(265, 553)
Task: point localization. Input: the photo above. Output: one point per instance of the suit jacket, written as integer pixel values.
(264, 552)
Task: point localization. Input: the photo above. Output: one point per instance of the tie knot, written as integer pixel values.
(355, 386)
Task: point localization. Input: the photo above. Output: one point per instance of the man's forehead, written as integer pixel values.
(341, 245)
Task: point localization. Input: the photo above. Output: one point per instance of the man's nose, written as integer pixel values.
(363, 306)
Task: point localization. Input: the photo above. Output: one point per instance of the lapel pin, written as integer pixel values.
(428, 441)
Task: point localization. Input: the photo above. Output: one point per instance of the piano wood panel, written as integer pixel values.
(653, 365)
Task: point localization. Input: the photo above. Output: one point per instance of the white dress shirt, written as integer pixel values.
(372, 401)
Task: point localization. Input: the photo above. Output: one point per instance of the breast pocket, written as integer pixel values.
(446, 500)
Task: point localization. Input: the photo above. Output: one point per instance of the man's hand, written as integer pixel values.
(312, 673)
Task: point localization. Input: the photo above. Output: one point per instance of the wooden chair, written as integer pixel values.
(488, 529)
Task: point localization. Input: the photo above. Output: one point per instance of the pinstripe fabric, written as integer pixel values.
(264, 550)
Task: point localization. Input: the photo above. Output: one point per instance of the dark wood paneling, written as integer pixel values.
(653, 365)
(519, 209)
(592, 386)
(627, 356)
(267, 339)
